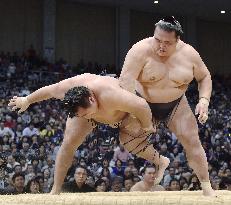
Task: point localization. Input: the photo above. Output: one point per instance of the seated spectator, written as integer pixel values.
(105, 163)
(122, 154)
(90, 181)
(128, 183)
(184, 187)
(107, 182)
(169, 176)
(147, 184)
(194, 183)
(174, 185)
(6, 131)
(9, 122)
(49, 165)
(225, 183)
(216, 183)
(100, 185)
(228, 172)
(42, 188)
(117, 184)
(29, 173)
(3, 181)
(48, 132)
(17, 169)
(105, 173)
(136, 179)
(79, 185)
(135, 172)
(30, 131)
(47, 177)
(128, 172)
(11, 163)
(118, 170)
(176, 155)
(26, 150)
(183, 181)
(131, 163)
(18, 180)
(33, 186)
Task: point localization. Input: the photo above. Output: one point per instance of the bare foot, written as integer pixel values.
(164, 162)
(207, 189)
(209, 192)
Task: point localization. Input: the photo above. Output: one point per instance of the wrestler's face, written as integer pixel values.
(164, 42)
(150, 175)
(90, 110)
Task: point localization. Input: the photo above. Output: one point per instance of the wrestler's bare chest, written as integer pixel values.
(108, 116)
(172, 73)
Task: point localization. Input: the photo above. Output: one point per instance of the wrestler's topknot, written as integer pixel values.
(74, 98)
(170, 24)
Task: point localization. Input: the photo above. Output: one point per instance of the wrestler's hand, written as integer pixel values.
(202, 110)
(19, 102)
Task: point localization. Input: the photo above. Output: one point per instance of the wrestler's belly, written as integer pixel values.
(155, 94)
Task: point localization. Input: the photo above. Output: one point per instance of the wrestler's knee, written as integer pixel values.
(194, 148)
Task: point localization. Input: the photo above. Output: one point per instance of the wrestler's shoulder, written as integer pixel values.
(138, 186)
(90, 78)
(187, 49)
(158, 188)
(142, 45)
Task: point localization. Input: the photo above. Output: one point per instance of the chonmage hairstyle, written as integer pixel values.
(74, 98)
(169, 23)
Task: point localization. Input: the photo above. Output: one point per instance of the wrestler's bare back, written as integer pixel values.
(163, 80)
(103, 88)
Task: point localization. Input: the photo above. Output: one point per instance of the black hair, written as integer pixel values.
(18, 175)
(74, 98)
(99, 182)
(146, 167)
(169, 24)
(33, 180)
(225, 181)
(173, 180)
(129, 178)
(81, 167)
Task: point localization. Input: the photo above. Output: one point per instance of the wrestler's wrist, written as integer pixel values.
(204, 100)
(26, 100)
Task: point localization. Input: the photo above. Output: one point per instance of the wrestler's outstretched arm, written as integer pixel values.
(75, 133)
(203, 77)
(56, 90)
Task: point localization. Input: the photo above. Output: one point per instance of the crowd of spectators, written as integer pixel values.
(29, 142)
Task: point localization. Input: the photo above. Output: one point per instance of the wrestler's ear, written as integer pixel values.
(91, 99)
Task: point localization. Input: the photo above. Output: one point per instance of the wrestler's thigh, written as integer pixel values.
(184, 124)
(131, 135)
(76, 130)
